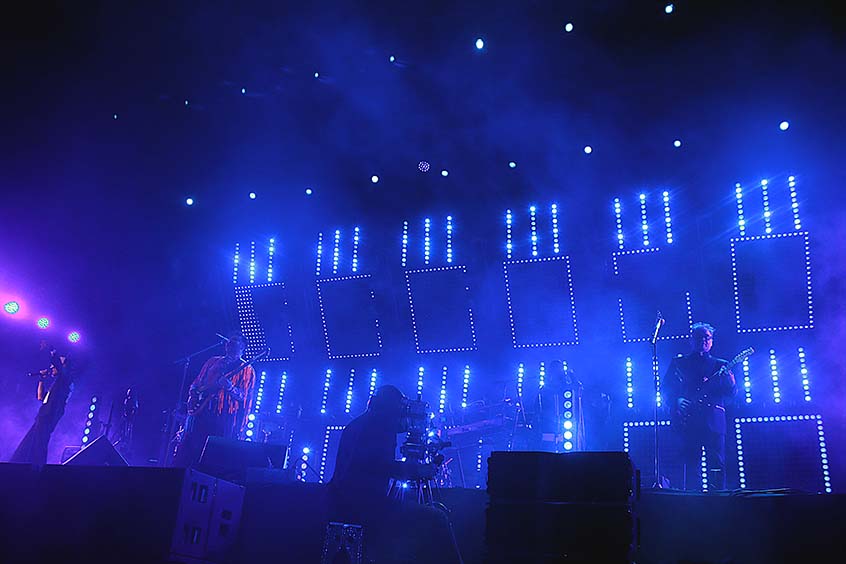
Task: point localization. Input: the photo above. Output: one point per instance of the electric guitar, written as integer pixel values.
(700, 400)
(199, 398)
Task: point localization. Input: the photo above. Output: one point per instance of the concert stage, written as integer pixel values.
(129, 514)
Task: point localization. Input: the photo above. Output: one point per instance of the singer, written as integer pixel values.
(224, 402)
(699, 420)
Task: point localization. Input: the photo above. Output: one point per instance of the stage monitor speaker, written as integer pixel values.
(99, 452)
(229, 459)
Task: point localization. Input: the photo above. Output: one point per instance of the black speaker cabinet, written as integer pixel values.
(229, 459)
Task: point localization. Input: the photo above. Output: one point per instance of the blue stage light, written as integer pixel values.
(280, 400)
(444, 172)
(568, 27)
(319, 254)
(350, 388)
(243, 91)
(374, 179)
(114, 116)
(423, 166)
(356, 239)
(43, 323)
(271, 249)
(309, 191)
(189, 201)
(252, 195)
(392, 58)
(644, 225)
(784, 125)
(668, 9)
(480, 44)
(336, 251)
(317, 75)
(12, 307)
(74, 337)
(677, 143)
(252, 262)
(588, 149)
(404, 243)
(512, 164)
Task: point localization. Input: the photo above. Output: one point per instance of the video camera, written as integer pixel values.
(422, 443)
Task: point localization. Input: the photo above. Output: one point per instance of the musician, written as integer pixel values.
(55, 385)
(228, 404)
(698, 386)
(364, 466)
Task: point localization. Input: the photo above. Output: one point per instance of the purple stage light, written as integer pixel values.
(423, 166)
(11, 307)
(74, 337)
(43, 323)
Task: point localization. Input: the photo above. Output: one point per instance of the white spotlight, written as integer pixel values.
(677, 143)
(512, 164)
(569, 27)
(588, 149)
(189, 201)
(784, 125)
(309, 192)
(392, 58)
(668, 9)
(374, 179)
(444, 172)
(252, 195)
(480, 44)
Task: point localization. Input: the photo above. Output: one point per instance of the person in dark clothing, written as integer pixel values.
(33, 447)
(698, 386)
(366, 463)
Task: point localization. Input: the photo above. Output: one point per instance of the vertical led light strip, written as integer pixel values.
(533, 218)
(479, 458)
(765, 195)
(336, 253)
(509, 247)
(283, 381)
(420, 372)
(92, 409)
(465, 386)
(556, 247)
(644, 225)
(629, 383)
(251, 427)
(404, 243)
(348, 402)
(449, 239)
(741, 467)
(235, 261)
(774, 376)
(521, 371)
(794, 202)
(741, 221)
(747, 381)
(319, 254)
(823, 455)
(542, 375)
(668, 220)
(356, 238)
(656, 370)
(270, 250)
(326, 383)
(442, 398)
(252, 262)
(704, 467)
(427, 239)
(803, 372)
(373, 375)
(618, 216)
(260, 391)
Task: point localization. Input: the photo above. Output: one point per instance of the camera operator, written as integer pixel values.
(365, 464)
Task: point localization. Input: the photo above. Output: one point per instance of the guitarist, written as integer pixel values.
(225, 402)
(698, 386)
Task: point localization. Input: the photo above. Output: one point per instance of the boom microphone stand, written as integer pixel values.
(164, 458)
(659, 481)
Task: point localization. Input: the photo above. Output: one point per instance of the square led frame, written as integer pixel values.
(567, 302)
(788, 464)
(453, 317)
(256, 323)
(331, 440)
(373, 340)
(801, 291)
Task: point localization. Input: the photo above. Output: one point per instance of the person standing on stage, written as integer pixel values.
(33, 447)
(698, 386)
(224, 403)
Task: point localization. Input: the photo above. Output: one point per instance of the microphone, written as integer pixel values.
(658, 323)
(222, 337)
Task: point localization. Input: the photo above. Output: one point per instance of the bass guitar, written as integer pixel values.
(199, 398)
(700, 400)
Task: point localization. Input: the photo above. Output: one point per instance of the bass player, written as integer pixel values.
(219, 401)
(698, 386)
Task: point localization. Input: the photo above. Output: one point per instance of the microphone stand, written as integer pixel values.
(180, 402)
(658, 481)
